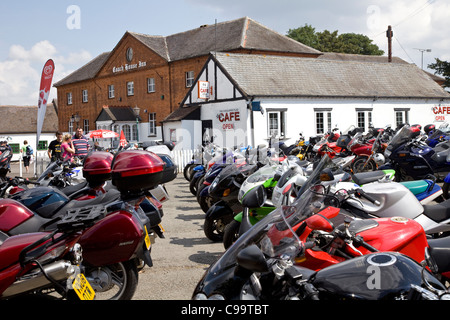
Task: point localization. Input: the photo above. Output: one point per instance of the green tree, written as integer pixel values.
(442, 68)
(327, 41)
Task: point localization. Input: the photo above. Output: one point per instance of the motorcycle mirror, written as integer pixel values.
(252, 258)
(255, 198)
(320, 222)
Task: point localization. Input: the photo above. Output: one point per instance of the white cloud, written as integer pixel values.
(20, 73)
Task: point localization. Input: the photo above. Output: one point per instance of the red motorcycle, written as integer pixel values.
(43, 263)
(115, 246)
(368, 150)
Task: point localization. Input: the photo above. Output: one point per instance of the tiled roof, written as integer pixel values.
(260, 75)
(88, 71)
(243, 33)
(23, 119)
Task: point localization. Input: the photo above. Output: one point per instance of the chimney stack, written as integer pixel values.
(389, 35)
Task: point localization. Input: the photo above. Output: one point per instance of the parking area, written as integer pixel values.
(181, 258)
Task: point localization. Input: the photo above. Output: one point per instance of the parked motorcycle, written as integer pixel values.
(412, 159)
(116, 246)
(268, 261)
(40, 264)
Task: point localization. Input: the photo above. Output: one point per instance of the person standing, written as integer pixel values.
(81, 144)
(54, 149)
(67, 148)
(27, 153)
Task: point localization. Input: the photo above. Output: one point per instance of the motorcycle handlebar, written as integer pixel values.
(360, 192)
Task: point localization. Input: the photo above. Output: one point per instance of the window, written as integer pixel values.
(130, 88)
(150, 85)
(111, 91)
(364, 118)
(42, 145)
(152, 124)
(127, 131)
(86, 126)
(69, 98)
(276, 126)
(70, 126)
(401, 116)
(15, 147)
(189, 79)
(323, 120)
(85, 95)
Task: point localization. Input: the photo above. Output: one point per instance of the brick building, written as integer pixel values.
(154, 74)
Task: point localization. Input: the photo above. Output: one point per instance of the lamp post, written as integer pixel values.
(136, 111)
(422, 51)
(75, 118)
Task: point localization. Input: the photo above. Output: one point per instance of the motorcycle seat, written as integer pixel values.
(439, 250)
(416, 186)
(108, 197)
(362, 178)
(74, 188)
(438, 212)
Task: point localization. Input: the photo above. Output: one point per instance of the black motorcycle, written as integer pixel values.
(225, 189)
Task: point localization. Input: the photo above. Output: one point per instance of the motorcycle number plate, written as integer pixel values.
(83, 288)
(148, 242)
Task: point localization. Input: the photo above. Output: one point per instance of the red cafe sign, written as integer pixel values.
(440, 112)
(227, 118)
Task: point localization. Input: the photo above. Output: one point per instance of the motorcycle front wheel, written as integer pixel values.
(214, 228)
(358, 165)
(114, 282)
(231, 233)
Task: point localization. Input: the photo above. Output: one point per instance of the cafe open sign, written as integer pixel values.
(203, 90)
(440, 112)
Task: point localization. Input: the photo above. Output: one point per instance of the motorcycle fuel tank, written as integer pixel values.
(12, 213)
(377, 276)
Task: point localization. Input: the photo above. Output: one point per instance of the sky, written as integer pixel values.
(76, 31)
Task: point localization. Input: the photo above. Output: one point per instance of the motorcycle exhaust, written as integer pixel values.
(60, 270)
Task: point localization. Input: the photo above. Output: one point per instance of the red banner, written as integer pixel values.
(44, 91)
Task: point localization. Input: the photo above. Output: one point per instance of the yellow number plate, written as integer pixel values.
(148, 242)
(83, 288)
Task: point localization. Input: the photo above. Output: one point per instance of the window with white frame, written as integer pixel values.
(135, 132)
(364, 118)
(150, 85)
(70, 126)
(322, 118)
(130, 88)
(69, 98)
(152, 124)
(276, 123)
(111, 91)
(127, 131)
(401, 116)
(86, 125)
(85, 95)
(189, 79)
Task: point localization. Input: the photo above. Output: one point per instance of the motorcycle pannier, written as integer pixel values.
(97, 167)
(136, 170)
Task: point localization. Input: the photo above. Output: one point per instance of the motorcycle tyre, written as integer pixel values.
(211, 230)
(187, 171)
(445, 190)
(371, 166)
(193, 186)
(131, 280)
(231, 233)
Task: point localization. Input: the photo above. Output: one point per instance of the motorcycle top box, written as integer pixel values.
(136, 170)
(97, 167)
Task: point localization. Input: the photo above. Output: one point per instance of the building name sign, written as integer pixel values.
(440, 112)
(128, 67)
